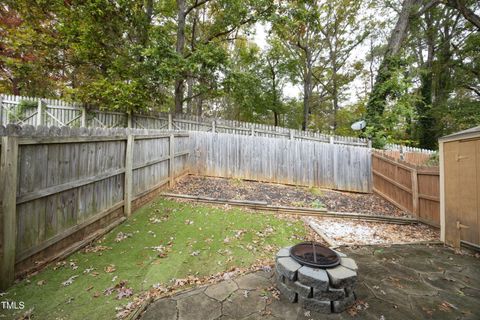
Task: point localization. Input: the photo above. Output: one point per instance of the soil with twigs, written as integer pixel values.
(285, 195)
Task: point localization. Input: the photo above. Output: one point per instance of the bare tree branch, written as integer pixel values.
(466, 12)
(194, 6)
(475, 90)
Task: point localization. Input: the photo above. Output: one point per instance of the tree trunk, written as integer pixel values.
(15, 87)
(400, 32)
(426, 122)
(379, 94)
(189, 95)
(275, 102)
(334, 90)
(200, 105)
(179, 82)
(335, 104)
(190, 79)
(307, 89)
(443, 79)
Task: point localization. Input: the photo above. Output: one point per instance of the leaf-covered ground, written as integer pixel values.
(164, 244)
(354, 232)
(283, 195)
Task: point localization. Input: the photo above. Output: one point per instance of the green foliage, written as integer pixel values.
(390, 109)
(121, 55)
(317, 204)
(347, 116)
(20, 112)
(442, 61)
(434, 160)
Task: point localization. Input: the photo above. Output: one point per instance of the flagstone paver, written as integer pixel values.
(222, 290)
(392, 283)
(198, 306)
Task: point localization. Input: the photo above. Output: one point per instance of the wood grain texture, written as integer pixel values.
(8, 215)
(72, 180)
(412, 188)
(127, 209)
(306, 163)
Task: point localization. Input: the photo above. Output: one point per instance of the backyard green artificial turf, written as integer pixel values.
(207, 232)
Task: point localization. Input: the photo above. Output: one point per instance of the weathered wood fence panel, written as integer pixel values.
(306, 163)
(412, 157)
(414, 189)
(72, 184)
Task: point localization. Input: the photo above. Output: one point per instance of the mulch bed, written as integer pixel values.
(283, 195)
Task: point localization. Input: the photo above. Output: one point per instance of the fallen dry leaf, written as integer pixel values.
(122, 236)
(110, 268)
(69, 281)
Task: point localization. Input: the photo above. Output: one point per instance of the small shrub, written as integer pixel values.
(21, 110)
(237, 181)
(316, 191)
(434, 160)
(298, 204)
(317, 204)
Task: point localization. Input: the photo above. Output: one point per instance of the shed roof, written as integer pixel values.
(472, 132)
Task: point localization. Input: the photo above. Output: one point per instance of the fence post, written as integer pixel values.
(214, 129)
(127, 206)
(369, 144)
(252, 130)
(291, 134)
(334, 150)
(415, 192)
(83, 117)
(40, 113)
(170, 122)
(8, 222)
(129, 119)
(171, 161)
(1, 109)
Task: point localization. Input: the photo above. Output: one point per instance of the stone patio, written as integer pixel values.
(396, 282)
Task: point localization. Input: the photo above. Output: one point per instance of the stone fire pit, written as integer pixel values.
(319, 289)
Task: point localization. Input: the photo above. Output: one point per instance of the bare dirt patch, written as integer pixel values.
(283, 195)
(349, 232)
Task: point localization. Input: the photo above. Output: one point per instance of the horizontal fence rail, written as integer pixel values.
(307, 163)
(414, 189)
(67, 185)
(52, 112)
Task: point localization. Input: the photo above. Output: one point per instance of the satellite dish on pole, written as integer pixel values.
(359, 125)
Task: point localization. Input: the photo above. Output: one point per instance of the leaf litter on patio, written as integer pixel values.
(355, 232)
(285, 195)
(129, 265)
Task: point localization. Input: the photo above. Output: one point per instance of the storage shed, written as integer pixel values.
(460, 188)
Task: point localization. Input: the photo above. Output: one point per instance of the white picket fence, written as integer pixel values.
(51, 112)
(402, 148)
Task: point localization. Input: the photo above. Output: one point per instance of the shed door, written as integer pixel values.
(462, 191)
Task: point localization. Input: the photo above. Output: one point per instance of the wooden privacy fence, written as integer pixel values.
(412, 188)
(412, 157)
(61, 188)
(306, 163)
(53, 112)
